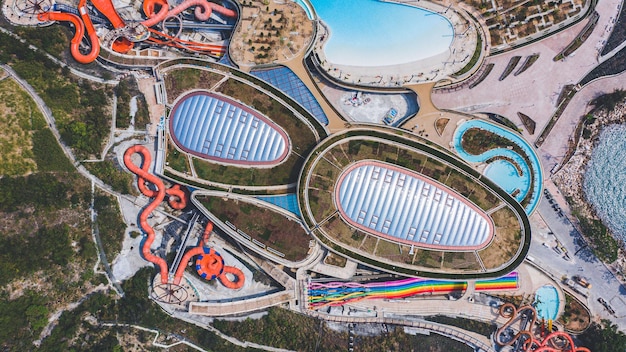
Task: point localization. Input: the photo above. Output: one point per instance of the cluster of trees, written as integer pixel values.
(110, 224)
(604, 245)
(21, 320)
(125, 91)
(41, 189)
(603, 337)
(22, 255)
(79, 107)
(54, 39)
(109, 172)
(48, 153)
(609, 101)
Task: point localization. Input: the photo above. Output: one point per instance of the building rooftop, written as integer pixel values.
(403, 206)
(217, 128)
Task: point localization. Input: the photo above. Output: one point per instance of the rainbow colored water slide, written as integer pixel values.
(507, 282)
(340, 293)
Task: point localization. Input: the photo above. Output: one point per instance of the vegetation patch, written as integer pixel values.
(53, 40)
(509, 67)
(441, 124)
(335, 260)
(302, 138)
(111, 173)
(474, 60)
(477, 141)
(176, 159)
(603, 337)
(528, 123)
(81, 108)
(20, 118)
(181, 80)
(48, 153)
(576, 317)
(284, 329)
(580, 38)
(75, 333)
(506, 242)
(111, 225)
(529, 61)
(264, 225)
(321, 189)
(125, 91)
(566, 95)
(604, 245)
(46, 252)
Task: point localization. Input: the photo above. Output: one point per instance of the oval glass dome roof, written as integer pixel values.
(406, 207)
(214, 127)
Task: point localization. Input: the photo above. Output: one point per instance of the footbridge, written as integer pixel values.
(220, 309)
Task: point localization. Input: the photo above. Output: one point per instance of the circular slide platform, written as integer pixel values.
(210, 265)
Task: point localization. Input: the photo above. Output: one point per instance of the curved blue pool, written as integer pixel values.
(501, 171)
(378, 33)
(547, 302)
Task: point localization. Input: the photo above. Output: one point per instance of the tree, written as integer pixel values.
(610, 100)
(603, 337)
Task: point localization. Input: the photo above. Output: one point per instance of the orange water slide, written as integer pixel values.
(202, 12)
(143, 175)
(192, 253)
(240, 279)
(213, 49)
(120, 45)
(177, 197)
(79, 25)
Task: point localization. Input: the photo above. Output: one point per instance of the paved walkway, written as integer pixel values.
(240, 307)
(556, 145)
(534, 92)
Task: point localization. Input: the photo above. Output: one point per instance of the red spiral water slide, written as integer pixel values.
(120, 45)
(200, 250)
(177, 200)
(142, 176)
(80, 27)
(202, 11)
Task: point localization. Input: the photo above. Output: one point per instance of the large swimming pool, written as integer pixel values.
(378, 33)
(547, 302)
(501, 171)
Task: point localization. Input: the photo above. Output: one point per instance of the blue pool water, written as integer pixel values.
(288, 202)
(502, 172)
(377, 33)
(604, 180)
(547, 302)
(506, 175)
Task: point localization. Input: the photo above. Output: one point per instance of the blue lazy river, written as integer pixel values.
(514, 178)
(377, 33)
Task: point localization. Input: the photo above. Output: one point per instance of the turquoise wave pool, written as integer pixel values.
(513, 177)
(379, 33)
